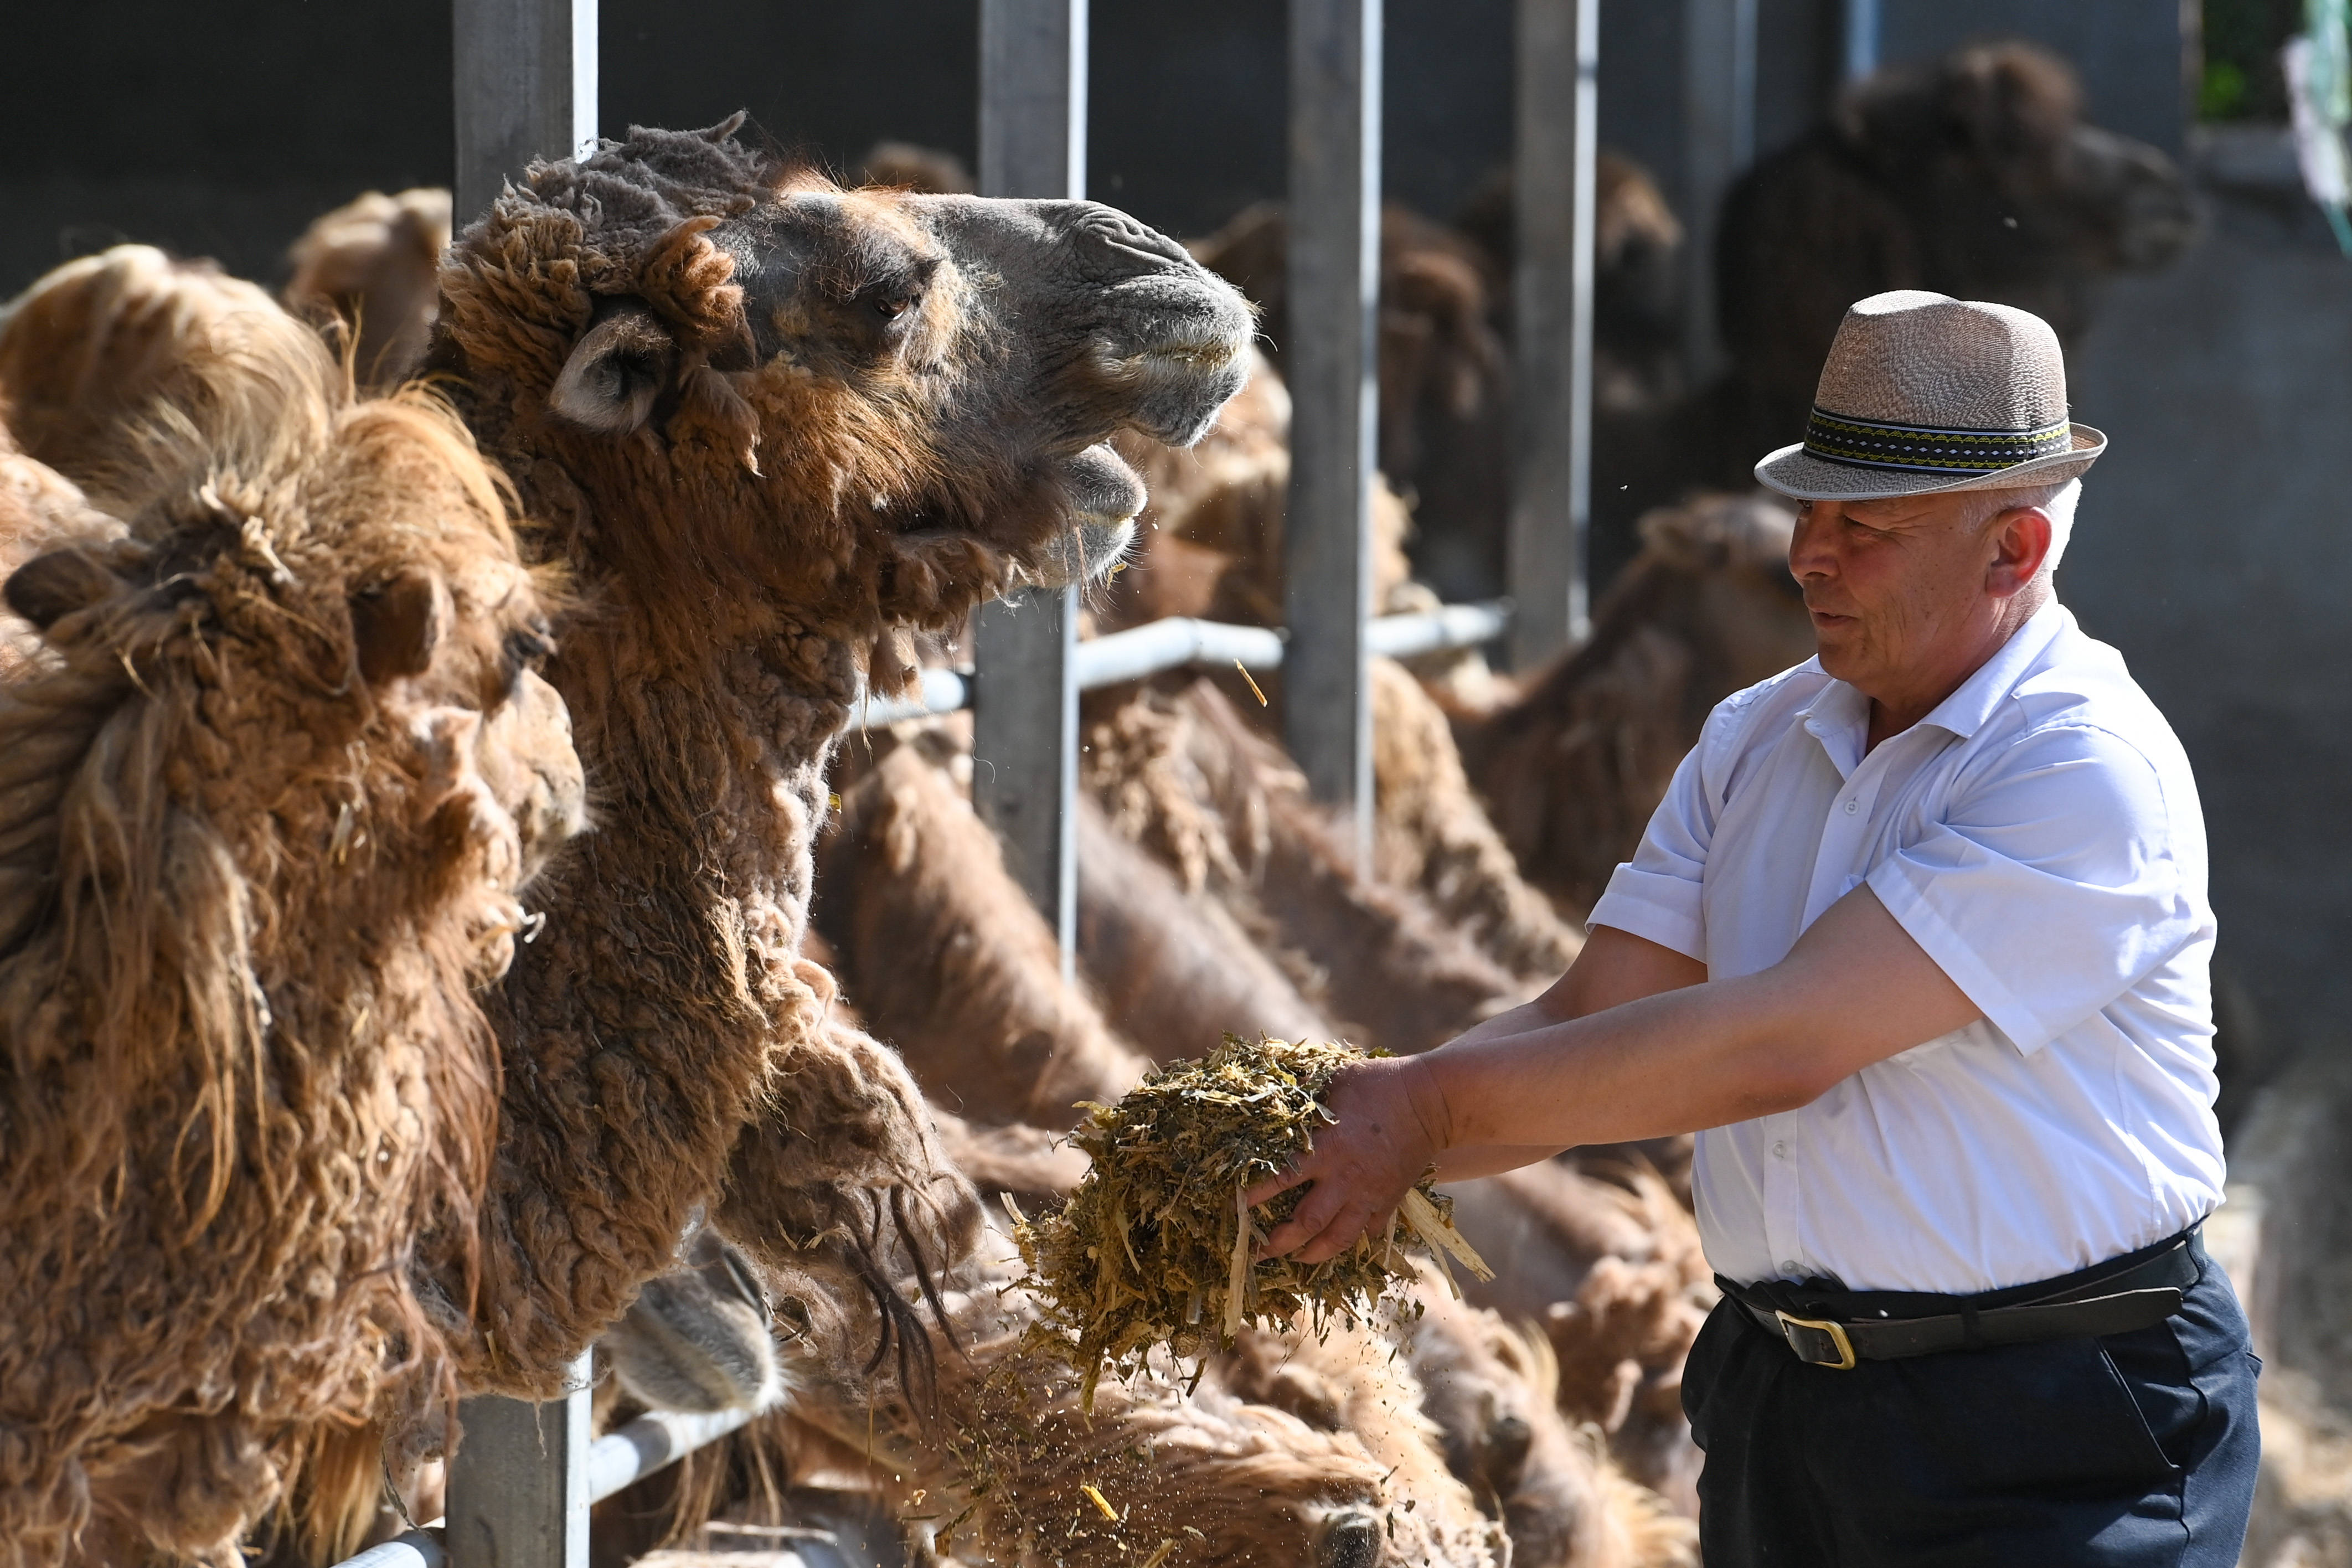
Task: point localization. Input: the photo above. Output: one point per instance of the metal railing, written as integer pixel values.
(1177, 642)
(620, 1458)
(526, 85)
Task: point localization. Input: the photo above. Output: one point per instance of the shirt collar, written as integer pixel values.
(1839, 716)
(1966, 710)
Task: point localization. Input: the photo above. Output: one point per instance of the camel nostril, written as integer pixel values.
(1351, 1540)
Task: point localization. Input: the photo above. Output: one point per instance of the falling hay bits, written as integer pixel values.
(1155, 1246)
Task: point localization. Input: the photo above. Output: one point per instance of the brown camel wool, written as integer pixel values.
(1154, 1246)
(274, 772)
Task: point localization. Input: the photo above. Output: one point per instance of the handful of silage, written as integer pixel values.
(1154, 1246)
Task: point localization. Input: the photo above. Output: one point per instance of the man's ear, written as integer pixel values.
(399, 623)
(2024, 535)
(616, 372)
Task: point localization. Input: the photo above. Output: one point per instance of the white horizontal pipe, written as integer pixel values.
(657, 1439)
(1448, 626)
(1172, 643)
(418, 1549)
(617, 1459)
(1180, 640)
(942, 691)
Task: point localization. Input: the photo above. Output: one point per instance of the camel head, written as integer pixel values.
(878, 406)
(2014, 198)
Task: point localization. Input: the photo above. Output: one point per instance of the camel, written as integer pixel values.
(291, 695)
(367, 272)
(39, 509)
(774, 428)
(1212, 546)
(1445, 363)
(1572, 768)
(1973, 175)
(949, 961)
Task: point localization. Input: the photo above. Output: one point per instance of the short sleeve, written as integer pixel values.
(2051, 887)
(1657, 894)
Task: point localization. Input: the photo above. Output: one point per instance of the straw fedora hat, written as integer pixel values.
(1924, 392)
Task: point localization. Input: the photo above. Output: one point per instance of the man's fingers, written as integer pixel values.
(1316, 1211)
(1275, 1185)
(1340, 1235)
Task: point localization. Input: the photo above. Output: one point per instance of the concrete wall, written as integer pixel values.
(2215, 549)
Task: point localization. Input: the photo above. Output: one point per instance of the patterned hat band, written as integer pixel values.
(1869, 444)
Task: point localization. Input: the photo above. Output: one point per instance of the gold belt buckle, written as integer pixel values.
(1836, 1332)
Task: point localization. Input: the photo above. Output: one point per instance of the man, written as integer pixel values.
(1918, 943)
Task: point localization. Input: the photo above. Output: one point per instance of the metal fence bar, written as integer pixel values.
(1032, 142)
(1718, 142)
(618, 1460)
(518, 1482)
(1179, 640)
(1556, 110)
(1858, 38)
(526, 87)
(418, 1549)
(1329, 360)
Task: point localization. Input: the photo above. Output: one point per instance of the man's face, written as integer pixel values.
(1895, 586)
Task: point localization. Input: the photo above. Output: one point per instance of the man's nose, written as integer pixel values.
(1808, 552)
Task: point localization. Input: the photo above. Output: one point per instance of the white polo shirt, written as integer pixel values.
(2039, 834)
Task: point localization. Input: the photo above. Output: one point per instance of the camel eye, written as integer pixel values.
(527, 647)
(890, 307)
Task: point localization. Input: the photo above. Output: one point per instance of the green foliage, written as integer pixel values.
(2242, 39)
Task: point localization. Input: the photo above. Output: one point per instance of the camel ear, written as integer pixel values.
(399, 623)
(47, 588)
(616, 372)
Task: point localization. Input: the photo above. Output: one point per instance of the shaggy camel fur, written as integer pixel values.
(368, 271)
(1493, 1391)
(1637, 245)
(39, 509)
(1572, 770)
(1188, 779)
(1230, 1482)
(98, 341)
(773, 426)
(1973, 175)
(1212, 546)
(913, 896)
(296, 699)
(906, 166)
(1612, 1271)
(1444, 368)
(952, 964)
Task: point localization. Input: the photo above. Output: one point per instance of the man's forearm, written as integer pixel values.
(1671, 1063)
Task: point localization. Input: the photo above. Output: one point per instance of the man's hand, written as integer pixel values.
(1629, 1045)
(1392, 1124)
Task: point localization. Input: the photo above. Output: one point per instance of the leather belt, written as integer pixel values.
(2145, 1293)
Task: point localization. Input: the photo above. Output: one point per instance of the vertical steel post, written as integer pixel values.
(526, 87)
(1330, 357)
(518, 1482)
(1718, 142)
(1858, 45)
(1557, 69)
(1032, 142)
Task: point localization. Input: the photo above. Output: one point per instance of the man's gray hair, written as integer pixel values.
(2057, 500)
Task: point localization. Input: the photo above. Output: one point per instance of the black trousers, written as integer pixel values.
(2138, 1448)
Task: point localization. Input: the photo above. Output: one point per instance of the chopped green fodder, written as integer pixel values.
(1154, 1246)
